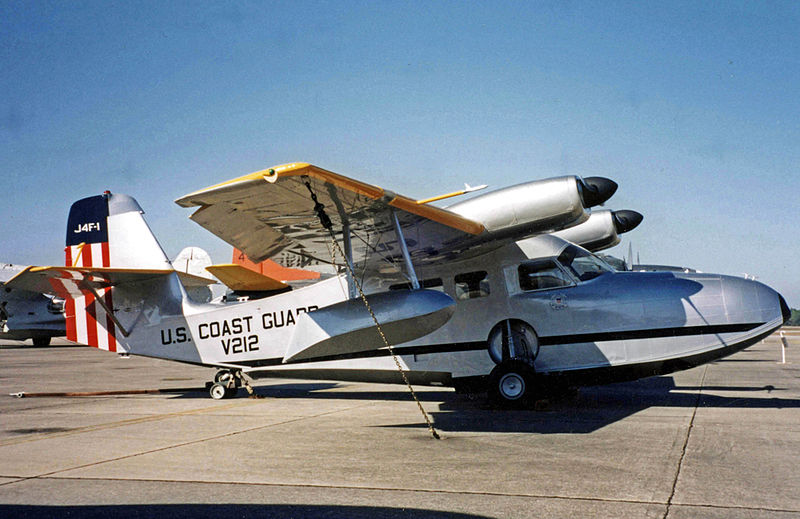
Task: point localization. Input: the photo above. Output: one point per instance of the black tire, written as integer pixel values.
(41, 342)
(512, 385)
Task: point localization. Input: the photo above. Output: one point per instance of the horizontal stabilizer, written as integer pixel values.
(273, 269)
(239, 278)
(193, 280)
(72, 282)
(347, 327)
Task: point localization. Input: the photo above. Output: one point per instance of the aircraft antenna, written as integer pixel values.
(325, 220)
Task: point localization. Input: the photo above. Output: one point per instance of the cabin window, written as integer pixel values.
(431, 284)
(472, 285)
(541, 275)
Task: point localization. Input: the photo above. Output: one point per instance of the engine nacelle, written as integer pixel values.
(602, 229)
(539, 206)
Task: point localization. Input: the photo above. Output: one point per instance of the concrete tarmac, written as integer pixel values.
(720, 440)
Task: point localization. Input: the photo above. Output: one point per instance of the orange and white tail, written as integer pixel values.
(106, 231)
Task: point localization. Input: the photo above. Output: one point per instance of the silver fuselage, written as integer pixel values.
(618, 325)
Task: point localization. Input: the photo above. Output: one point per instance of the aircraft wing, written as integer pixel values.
(272, 211)
(71, 282)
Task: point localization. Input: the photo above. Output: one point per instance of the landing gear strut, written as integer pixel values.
(513, 383)
(227, 383)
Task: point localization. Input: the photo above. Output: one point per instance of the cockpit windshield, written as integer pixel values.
(582, 263)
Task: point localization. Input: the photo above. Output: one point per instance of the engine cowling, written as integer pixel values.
(602, 229)
(539, 206)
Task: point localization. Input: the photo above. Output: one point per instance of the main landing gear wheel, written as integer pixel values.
(512, 384)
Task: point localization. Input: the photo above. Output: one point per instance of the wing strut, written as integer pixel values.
(403, 247)
(352, 291)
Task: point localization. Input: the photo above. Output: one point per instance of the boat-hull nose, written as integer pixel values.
(656, 323)
(725, 316)
(751, 302)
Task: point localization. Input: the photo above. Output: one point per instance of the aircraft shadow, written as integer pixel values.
(318, 390)
(592, 408)
(582, 411)
(215, 511)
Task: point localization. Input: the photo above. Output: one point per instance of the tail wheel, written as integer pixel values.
(513, 339)
(512, 384)
(227, 383)
(218, 391)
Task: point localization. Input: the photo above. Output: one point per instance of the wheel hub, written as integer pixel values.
(512, 386)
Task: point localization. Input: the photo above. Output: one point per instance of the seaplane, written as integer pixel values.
(492, 291)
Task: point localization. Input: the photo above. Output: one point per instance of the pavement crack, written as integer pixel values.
(685, 444)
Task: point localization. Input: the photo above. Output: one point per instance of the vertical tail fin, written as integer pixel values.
(105, 231)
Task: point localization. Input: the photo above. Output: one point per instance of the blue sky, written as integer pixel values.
(693, 108)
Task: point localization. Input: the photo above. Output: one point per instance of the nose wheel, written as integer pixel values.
(227, 383)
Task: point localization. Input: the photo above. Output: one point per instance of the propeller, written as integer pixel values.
(596, 190)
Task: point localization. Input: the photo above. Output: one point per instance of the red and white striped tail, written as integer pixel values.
(87, 321)
(104, 231)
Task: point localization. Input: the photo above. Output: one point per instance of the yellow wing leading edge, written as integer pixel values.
(299, 169)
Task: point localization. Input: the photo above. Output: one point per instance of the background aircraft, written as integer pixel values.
(28, 315)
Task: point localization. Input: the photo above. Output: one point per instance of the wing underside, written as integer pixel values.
(274, 211)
